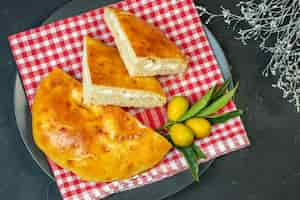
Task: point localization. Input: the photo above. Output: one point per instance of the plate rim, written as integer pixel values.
(222, 63)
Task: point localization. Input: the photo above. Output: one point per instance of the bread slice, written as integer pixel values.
(145, 50)
(107, 82)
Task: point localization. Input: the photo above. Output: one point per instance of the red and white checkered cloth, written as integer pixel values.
(39, 50)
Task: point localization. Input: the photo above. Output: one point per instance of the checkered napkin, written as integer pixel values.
(39, 50)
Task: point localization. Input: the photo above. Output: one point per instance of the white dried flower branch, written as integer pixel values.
(276, 25)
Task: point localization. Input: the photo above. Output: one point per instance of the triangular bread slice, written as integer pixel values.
(107, 82)
(98, 143)
(145, 50)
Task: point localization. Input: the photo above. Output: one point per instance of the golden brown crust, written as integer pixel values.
(107, 69)
(146, 39)
(98, 143)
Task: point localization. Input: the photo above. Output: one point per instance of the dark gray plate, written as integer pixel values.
(158, 190)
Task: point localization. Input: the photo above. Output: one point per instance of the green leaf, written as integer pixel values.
(191, 158)
(198, 106)
(198, 151)
(167, 125)
(221, 90)
(218, 119)
(218, 104)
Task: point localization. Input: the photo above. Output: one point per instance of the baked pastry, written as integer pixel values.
(145, 50)
(98, 143)
(107, 82)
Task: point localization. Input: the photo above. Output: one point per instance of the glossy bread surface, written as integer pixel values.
(98, 143)
(146, 39)
(107, 69)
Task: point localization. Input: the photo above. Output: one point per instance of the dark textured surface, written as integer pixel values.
(268, 170)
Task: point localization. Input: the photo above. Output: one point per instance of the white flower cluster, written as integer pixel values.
(276, 25)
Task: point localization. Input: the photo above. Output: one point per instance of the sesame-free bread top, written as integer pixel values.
(97, 143)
